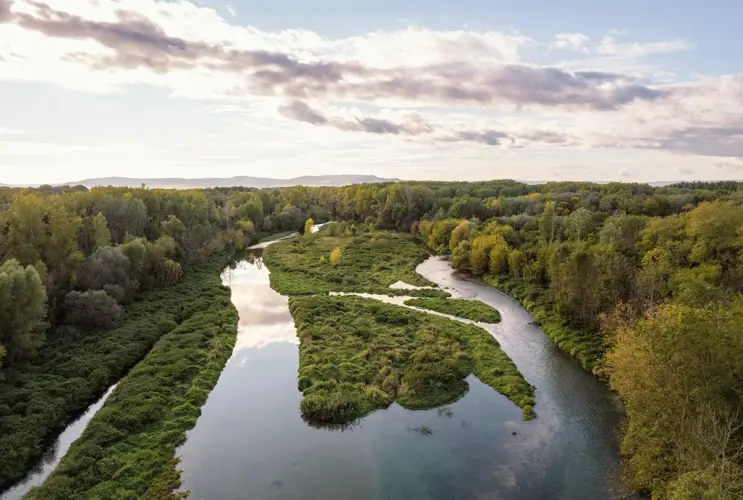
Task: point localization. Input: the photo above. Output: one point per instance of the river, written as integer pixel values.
(251, 442)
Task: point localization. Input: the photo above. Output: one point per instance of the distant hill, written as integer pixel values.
(243, 181)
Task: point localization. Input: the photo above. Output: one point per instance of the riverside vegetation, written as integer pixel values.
(90, 280)
(469, 309)
(640, 283)
(358, 355)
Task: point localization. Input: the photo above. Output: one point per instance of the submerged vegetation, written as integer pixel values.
(358, 355)
(469, 309)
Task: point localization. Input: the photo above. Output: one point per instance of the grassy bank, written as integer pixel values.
(127, 450)
(73, 369)
(358, 355)
(587, 347)
(469, 309)
(370, 262)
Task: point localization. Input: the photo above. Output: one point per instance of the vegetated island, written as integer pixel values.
(358, 355)
(469, 309)
(370, 263)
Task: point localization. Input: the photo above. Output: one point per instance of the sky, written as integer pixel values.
(442, 90)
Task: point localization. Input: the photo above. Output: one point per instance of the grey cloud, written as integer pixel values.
(705, 141)
(5, 14)
(488, 137)
(301, 111)
(138, 42)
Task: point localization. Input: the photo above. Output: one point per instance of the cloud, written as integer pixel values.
(474, 87)
(231, 10)
(5, 13)
(137, 42)
(570, 41)
(415, 125)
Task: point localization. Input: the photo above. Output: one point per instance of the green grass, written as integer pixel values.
(371, 263)
(587, 347)
(128, 449)
(469, 309)
(358, 355)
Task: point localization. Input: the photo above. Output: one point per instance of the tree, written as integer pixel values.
(106, 266)
(499, 255)
(308, 226)
(516, 263)
(22, 310)
(100, 235)
(579, 224)
(547, 223)
(92, 309)
(676, 370)
(461, 255)
(464, 231)
(247, 229)
(652, 279)
(336, 256)
(480, 256)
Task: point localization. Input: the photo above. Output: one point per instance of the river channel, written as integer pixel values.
(251, 442)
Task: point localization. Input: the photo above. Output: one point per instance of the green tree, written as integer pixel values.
(516, 263)
(92, 309)
(22, 310)
(460, 257)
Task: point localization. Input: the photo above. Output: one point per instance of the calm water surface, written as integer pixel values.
(251, 442)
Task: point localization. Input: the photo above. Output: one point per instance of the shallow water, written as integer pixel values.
(251, 442)
(54, 454)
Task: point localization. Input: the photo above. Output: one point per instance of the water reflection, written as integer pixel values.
(251, 441)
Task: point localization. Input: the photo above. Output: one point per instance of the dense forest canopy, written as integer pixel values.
(643, 285)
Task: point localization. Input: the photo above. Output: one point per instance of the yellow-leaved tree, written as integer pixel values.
(308, 226)
(336, 256)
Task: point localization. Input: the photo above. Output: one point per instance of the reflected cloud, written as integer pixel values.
(264, 316)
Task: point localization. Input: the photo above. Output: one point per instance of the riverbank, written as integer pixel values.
(128, 448)
(70, 373)
(587, 347)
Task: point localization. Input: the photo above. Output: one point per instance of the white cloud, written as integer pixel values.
(571, 41)
(231, 10)
(700, 117)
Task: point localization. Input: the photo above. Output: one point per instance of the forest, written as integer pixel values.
(642, 285)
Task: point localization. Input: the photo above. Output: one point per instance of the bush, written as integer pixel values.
(93, 309)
